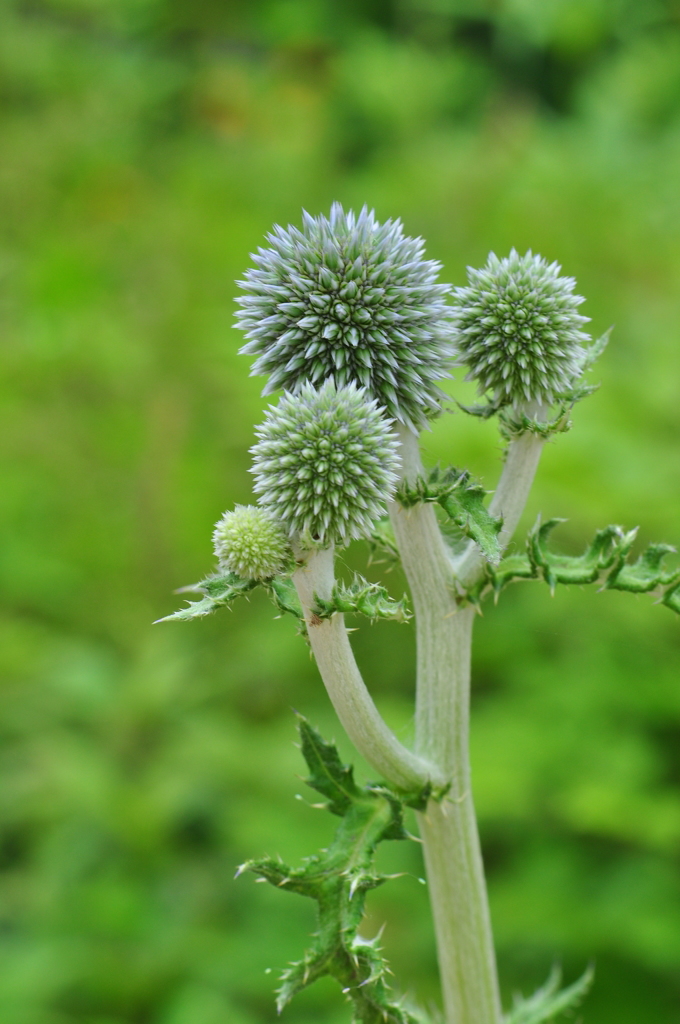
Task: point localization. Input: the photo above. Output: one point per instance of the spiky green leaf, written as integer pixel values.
(363, 598)
(328, 775)
(646, 573)
(608, 545)
(338, 879)
(382, 543)
(605, 561)
(223, 588)
(462, 499)
(218, 590)
(282, 591)
(549, 1002)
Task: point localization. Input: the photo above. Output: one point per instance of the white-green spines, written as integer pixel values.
(249, 542)
(518, 330)
(325, 463)
(353, 300)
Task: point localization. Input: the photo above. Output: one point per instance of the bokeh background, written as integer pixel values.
(145, 148)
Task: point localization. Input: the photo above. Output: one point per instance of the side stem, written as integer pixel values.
(350, 698)
(510, 497)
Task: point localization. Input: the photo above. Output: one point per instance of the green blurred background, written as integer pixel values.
(145, 147)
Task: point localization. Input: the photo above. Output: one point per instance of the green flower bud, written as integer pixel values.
(518, 330)
(351, 300)
(325, 462)
(250, 543)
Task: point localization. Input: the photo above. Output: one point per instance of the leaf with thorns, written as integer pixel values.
(549, 1002)
(645, 574)
(463, 501)
(364, 598)
(382, 542)
(604, 561)
(608, 545)
(338, 880)
(513, 424)
(223, 588)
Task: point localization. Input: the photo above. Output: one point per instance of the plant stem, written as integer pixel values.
(510, 497)
(448, 827)
(350, 698)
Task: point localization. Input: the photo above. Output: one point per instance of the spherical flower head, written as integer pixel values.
(518, 330)
(353, 300)
(325, 462)
(250, 543)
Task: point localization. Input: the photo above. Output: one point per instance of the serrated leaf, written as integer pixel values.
(513, 426)
(463, 501)
(514, 567)
(283, 593)
(604, 561)
(608, 545)
(299, 975)
(218, 590)
(596, 350)
(671, 599)
(363, 598)
(646, 573)
(328, 775)
(338, 879)
(221, 589)
(383, 542)
(548, 1002)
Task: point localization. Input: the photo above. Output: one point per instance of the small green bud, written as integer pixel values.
(353, 300)
(250, 543)
(325, 463)
(518, 330)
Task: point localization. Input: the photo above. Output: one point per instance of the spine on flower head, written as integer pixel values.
(250, 543)
(354, 300)
(325, 463)
(518, 331)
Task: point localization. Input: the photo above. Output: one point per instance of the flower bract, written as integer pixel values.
(325, 462)
(354, 300)
(518, 330)
(249, 542)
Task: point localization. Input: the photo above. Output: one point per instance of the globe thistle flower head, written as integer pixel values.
(518, 330)
(250, 543)
(325, 462)
(350, 299)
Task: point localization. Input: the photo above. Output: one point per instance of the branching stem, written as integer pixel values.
(350, 698)
(448, 827)
(508, 502)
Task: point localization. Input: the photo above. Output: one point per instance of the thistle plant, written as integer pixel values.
(348, 317)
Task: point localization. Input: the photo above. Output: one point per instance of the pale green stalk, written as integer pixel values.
(448, 827)
(352, 701)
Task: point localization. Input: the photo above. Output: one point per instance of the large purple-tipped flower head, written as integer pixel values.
(518, 330)
(325, 463)
(349, 299)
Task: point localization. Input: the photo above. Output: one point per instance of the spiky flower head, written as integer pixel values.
(325, 462)
(350, 299)
(250, 542)
(518, 330)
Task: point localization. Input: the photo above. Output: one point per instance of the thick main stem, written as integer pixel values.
(448, 827)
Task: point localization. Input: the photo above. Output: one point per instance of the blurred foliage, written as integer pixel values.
(146, 146)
